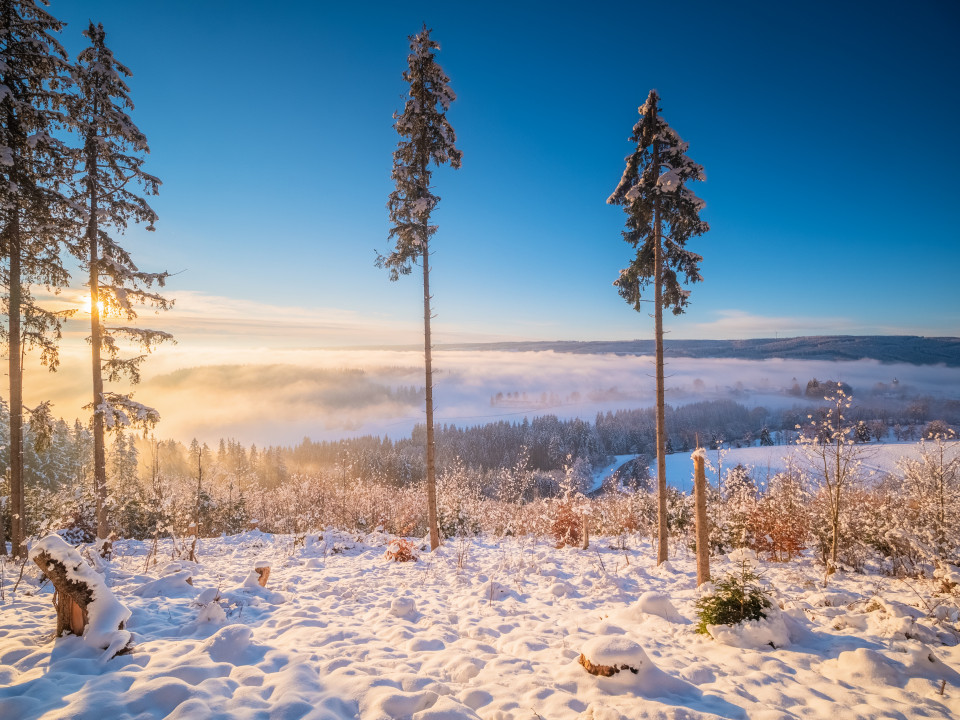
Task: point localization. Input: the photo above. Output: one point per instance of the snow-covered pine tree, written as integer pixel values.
(33, 212)
(425, 137)
(662, 214)
(109, 174)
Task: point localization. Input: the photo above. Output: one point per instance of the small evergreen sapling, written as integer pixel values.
(736, 598)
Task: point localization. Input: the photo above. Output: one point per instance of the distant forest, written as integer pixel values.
(911, 349)
(542, 456)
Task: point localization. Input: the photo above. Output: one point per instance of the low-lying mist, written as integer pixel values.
(279, 397)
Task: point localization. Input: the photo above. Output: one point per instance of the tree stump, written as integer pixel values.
(263, 572)
(85, 605)
(71, 597)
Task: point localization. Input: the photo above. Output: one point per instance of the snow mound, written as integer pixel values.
(754, 634)
(634, 669)
(832, 598)
(616, 651)
(492, 590)
(174, 585)
(654, 603)
(864, 667)
(387, 703)
(403, 607)
(232, 644)
(446, 708)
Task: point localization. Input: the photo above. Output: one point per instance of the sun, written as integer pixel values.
(85, 305)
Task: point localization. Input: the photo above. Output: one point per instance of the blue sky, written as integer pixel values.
(827, 131)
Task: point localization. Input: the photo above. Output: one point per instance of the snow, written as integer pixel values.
(496, 636)
(604, 473)
(768, 631)
(765, 462)
(654, 603)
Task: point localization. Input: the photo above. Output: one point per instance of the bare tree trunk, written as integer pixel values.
(17, 509)
(431, 445)
(703, 529)
(99, 450)
(661, 414)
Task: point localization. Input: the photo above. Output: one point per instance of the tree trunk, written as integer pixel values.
(428, 364)
(17, 504)
(703, 529)
(661, 414)
(99, 451)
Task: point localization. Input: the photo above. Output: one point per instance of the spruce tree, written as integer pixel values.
(34, 214)
(662, 215)
(425, 137)
(109, 174)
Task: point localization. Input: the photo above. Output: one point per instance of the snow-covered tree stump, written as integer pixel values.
(259, 574)
(85, 605)
(608, 655)
(263, 571)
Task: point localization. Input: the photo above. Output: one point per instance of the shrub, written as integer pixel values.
(401, 550)
(737, 597)
(567, 524)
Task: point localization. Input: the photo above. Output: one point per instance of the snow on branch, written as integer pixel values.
(121, 411)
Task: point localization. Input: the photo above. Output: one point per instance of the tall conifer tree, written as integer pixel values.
(662, 214)
(109, 175)
(425, 137)
(34, 220)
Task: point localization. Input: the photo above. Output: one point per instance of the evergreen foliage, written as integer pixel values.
(427, 138)
(34, 213)
(737, 597)
(109, 168)
(660, 209)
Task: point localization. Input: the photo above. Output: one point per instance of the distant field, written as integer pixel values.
(764, 462)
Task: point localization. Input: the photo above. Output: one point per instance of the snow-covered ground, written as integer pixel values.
(480, 629)
(605, 472)
(764, 462)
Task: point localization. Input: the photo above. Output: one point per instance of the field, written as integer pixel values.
(483, 628)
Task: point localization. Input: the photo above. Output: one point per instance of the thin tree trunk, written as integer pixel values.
(431, 446)
(99, 451)
(661, 414)
(836, 505)
(17, 509)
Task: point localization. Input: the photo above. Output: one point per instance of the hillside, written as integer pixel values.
(911, 349)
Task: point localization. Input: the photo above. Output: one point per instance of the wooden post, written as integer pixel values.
(703, 528)
(586, 531)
